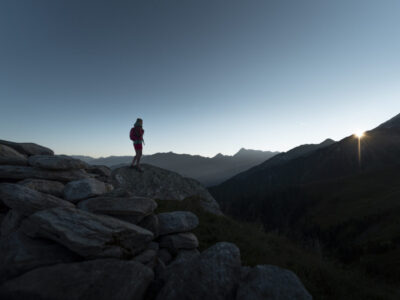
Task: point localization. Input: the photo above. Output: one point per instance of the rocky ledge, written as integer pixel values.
(73, 231)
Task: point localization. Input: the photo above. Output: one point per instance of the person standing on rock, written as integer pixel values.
(136, 135)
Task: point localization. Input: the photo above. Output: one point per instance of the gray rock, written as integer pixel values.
(100, 170)
(165, 256)
(56, 162)
(132, 209)
(271, 282)
(177, 221)
(25, 172)
(151, 223)
(8, 156)
(157, 183)
(11, 222)
(84, 188)
(148, 256)
(101, 279)
(19, 254)
(87, 234)
(51, 187)
(186, 255)
(175, 242)
(28, 201)
(28, 148)
(2, 216)
(154, 246)
(214, 274)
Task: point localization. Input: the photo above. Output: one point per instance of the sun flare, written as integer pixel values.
(359, 134)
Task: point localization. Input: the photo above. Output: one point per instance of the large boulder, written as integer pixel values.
(11, 222)
(130, 209)
(271, 282)
(28, 201)
(162, 184)
(177, 221)
(8, 156)
(101, 279)
(25, 172)
(85, 188)
(28, 148)
(20, 253)
(214, 274)
(175, 242)
(56, 162)
(51, 187)
(87, 234)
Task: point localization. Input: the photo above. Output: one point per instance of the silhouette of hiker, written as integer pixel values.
(136, 135)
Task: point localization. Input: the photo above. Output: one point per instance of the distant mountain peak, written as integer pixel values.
(219, 155)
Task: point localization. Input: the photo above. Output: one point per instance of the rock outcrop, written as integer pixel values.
(96, 279)
(161, 184)
(66, 233)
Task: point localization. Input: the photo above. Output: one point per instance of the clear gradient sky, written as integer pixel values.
(207, 76)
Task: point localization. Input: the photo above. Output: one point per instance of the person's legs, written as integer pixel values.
(138, 156)
(135, 158)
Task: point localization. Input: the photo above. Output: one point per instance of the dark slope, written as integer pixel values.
(351, 208)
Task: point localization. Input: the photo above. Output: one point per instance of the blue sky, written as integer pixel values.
(206, 76)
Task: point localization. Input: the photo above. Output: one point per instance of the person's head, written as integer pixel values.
(139, 122)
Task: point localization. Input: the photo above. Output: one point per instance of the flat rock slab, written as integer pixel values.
(20, 253)
(102, 279)
(56, 162)
(271, 282)
(134, 209)
(175, 242)
(8, 156)
(28, 148)
(28, 201)
(51, 187)
(177, 221)
(87, 234)
(157, 183)
(25, 172)
(214, 274)
(85, 188)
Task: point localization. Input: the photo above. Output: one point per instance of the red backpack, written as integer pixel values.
(134, 134)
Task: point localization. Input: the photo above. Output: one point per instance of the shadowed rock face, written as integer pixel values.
(97, 279)
(8, 156)
(20, 253)
(56, 162)
(177, 221)
(214, 274)
(133, 209)
(28, 148)
(54, 188)
(11, 222)
(85, 188)
(271, 282)
(28, 201)
(161, 184)
(10, 172)
(175, 242)
(87, 234)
